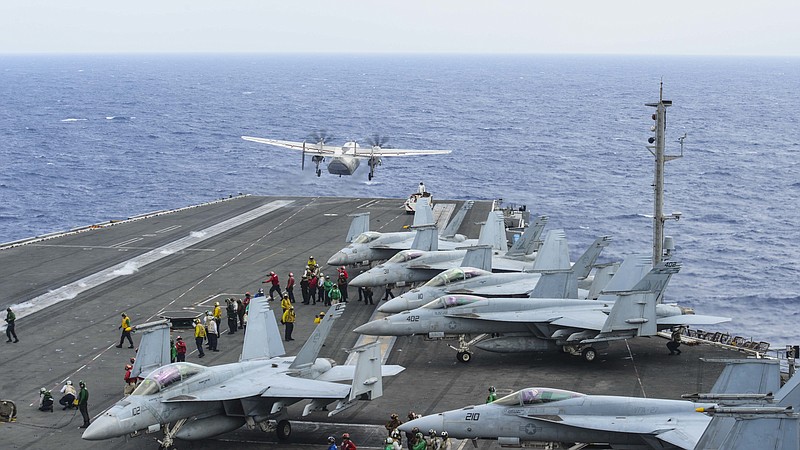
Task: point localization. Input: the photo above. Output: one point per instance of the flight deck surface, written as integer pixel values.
(188, 259)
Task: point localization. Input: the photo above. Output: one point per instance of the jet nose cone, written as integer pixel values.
(394, 306)
(363, 280)
(338, 259)
(374, 328)
(104, 427)
(435, 422)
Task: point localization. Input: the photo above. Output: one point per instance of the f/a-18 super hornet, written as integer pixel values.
(344, 159)
(755, 418)
(189, 401)
(553, 255)
(366, 246)
(540, 324)
(412, 266)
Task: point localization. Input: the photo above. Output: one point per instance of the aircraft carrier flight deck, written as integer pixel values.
(69, 290)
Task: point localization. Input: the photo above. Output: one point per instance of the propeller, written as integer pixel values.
(319, 137)
(377, 140)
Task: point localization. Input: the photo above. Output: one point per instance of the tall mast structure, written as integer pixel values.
(657, 149)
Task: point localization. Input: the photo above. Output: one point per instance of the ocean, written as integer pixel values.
(92, 138)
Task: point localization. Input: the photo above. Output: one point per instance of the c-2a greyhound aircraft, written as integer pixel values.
(191, 402)
(345, 159)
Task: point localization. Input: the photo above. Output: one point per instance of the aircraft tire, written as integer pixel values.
(464, 357)
(589, 354)
(284, 430)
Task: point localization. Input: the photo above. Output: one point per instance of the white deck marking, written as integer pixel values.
(132, 265)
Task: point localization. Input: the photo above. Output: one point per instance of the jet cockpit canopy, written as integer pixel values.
(455, 274)
(536, 396)
(449, 301)
(165, 376)
(366, 237)
(405, 255)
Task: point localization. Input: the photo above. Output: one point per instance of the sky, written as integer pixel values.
(675, 27)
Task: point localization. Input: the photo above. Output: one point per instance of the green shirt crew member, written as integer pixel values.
(11, 319)
(83, 403)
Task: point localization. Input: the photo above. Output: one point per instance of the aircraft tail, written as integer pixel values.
(262, 339)
(308, 354)
(635, 310)
(154, 350)
(493, 232)
(554, 253)
(423, 212)
(585, 263)
(746, 431)
(630, 272)
(455, 223)
(426, 238)
(367, 377)
(602, 276)
(748, 376)
(359, 224)
(479, 257)
(556, 284)
(529, 242)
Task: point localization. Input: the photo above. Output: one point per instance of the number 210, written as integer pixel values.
(473, 416)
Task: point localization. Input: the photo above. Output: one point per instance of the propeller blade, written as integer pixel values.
(377, 140)
(303, 161)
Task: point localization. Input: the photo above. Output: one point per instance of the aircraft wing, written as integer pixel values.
(692, 319)
(252, 384)
(512, 288)
(682, 430)
(311, 148)
(378, 151)
(586, 319)
(346, 372)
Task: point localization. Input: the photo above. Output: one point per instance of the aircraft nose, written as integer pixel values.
(363, 280)
(394, 306)
(104, 427)
(338, 259)
(434, 421)
(375, 328)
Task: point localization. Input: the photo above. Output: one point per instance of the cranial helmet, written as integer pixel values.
(128, 367)
(491, 389)
(432, 432)
(389, 440)
(291, 274)
(69, 382)
(42, 390)
(346, 436)
(444, 434)
(331, 439)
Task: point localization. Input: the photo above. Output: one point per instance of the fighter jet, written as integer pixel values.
(470, 280)
(412, 266)
(570, 418)
(578, 327)
(368, 246)
(189, 401)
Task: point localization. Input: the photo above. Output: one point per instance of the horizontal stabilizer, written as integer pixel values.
(479, 257)
(748, 376)
(692, 319)
(426, 238)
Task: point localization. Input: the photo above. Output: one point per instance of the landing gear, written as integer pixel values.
(589, 354)
(464, 354)
(284, 430)
(169, 435)
(373, 162)
(317, 161)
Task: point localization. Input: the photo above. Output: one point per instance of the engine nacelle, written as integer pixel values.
(516, 344)
(196, 429)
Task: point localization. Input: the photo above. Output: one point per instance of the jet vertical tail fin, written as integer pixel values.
(493, 232)
(262, 339)
(556, 284)
(554, 253)
(630, 272)
(635, 310)
(585, 263)
(602, 277)
(479, 257)
(748, 376)
(423, 212)
(154, 350)
(359, 224)
(426, 238)
(455, 223)
(308, 354)
(529, 241)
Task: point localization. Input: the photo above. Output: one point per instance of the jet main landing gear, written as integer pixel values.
(464, 354)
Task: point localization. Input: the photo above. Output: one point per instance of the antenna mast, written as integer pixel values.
(657, 149)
